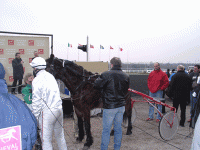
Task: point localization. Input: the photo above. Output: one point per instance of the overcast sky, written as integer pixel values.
(146, 30)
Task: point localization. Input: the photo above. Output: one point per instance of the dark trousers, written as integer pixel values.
(14, 85)
(183, 109)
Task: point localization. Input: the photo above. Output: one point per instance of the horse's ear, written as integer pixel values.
(51, 56)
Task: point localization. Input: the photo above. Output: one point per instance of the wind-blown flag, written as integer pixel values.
(120, 49)
(91, 46)
(101, 47)
(69, 45)
(111, 47)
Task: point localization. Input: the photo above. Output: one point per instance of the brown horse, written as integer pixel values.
(84, 97)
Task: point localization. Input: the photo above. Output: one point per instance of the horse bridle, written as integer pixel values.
(51, 70)
(63, 64)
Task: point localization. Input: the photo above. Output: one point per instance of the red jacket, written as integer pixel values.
(157, 80)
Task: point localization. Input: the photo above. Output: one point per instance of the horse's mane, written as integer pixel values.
(77, 68)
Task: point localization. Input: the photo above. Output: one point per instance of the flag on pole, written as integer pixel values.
(120, 49)
(101, 47)
(91, 46)
(111, 47)
(69, 45)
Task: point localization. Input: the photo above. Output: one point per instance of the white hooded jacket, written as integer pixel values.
(46, 94)
(196, 137)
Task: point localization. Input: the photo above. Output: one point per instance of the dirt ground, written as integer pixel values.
(145, 134)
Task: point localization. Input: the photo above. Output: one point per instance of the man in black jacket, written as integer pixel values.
(18, 72)
(179, 90)
(195, 89)
(114, 85)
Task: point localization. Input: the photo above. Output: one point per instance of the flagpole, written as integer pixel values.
(109, 55)
(127, 60)
(87, 47)
(100, 54)
(78, 54)
(118, 52)
(67, 52)
(109, 59)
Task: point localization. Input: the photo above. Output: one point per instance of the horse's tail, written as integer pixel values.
(125, 117)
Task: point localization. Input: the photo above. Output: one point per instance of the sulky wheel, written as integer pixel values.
(166, 132)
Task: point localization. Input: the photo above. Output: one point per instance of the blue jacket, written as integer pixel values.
(15, 112)
(170, 78)
(2, 71)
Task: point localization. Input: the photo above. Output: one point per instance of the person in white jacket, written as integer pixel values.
(196, 137)
(47, 106)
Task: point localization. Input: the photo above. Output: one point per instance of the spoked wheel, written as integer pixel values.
(166, 132)
(133, 117)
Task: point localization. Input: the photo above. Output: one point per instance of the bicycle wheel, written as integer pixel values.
(133, 117)
(166, 132)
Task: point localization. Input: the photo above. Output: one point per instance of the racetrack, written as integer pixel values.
(145, 134)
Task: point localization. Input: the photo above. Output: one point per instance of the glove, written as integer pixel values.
(194, 94)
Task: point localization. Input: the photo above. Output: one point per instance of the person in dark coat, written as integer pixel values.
(115, 84)
(179, 91)
(18, 73)
(195, 89)
(168, 73)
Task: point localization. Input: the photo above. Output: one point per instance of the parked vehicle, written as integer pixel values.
(149, 70)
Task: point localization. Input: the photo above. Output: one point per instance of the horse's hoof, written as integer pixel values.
(78, 139)
(77, 142)
(85, 148)
(128, 132)
(112, 133)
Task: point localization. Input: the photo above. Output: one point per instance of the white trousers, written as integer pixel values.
(49, 122)
(30, 106)
(196, 137)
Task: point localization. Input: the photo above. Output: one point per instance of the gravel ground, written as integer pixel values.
(145, 134)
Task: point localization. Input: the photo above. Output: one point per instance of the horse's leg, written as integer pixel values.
(81, 131)
(112, 132)
(75, 124)
(127, 114)
(129, 129)
(125, 117)
(89, 139)
(128, 109)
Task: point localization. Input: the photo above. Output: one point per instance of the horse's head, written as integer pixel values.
(67, 71)
(54, 66)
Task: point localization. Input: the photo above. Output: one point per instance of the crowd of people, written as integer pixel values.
(43, 98)
(183, 88)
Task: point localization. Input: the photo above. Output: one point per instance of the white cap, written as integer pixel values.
(38, 63)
